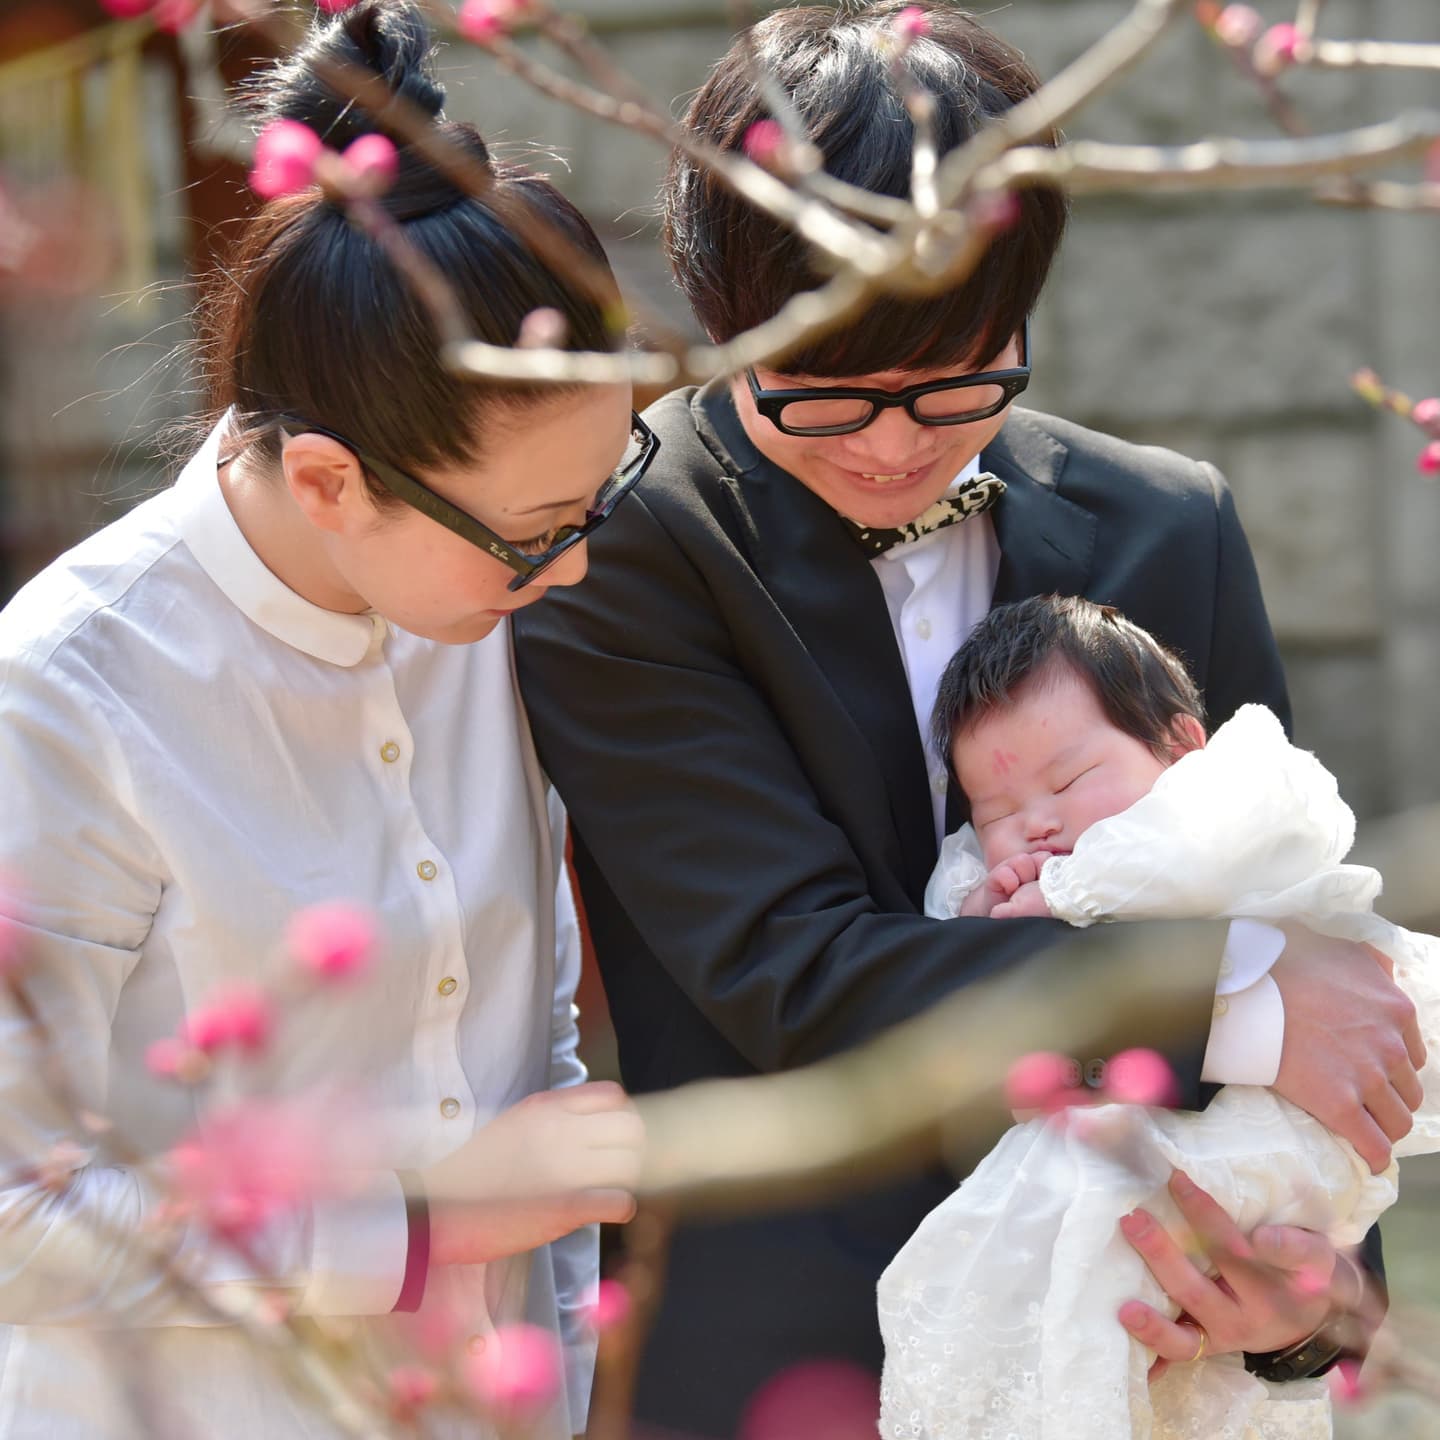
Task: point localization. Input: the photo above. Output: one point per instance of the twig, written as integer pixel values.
(1370, 54)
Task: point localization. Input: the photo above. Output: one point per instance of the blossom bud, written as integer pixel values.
(517, 1374)
(1280, 46)
(374, 162)
(1346, 1387)
(1238, 24)
(912, 24)
(1044, 1081)
(237, 1015)
(1427, 411)
(332, 942)
(996, 210)
(172, 16)
(173, 1059)
(334, 7)
(285, 156)
(411, 1388)
(609, 1306)
(1140, 1077)
(126, 9)
(484, 21)
(542, 329)
(1427, 462)
(763, 141)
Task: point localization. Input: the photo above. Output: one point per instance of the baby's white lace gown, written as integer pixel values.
(999, 1315)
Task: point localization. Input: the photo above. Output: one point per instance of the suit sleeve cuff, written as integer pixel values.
(358, 1250)
(1247, 1031)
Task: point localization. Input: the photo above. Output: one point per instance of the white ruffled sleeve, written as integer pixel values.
(1248, 826)
(958, 871)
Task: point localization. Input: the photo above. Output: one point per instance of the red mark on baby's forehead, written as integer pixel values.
(1001, 761)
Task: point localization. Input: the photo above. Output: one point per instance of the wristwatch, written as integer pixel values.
(1303, 1360)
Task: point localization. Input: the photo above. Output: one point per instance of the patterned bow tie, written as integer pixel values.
(978, 496)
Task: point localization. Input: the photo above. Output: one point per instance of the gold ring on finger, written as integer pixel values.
(1201, 1338)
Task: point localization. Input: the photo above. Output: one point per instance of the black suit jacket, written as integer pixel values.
(723, 707)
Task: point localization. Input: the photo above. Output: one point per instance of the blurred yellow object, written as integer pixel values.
(76, 109)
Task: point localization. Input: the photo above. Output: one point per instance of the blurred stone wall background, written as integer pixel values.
(1224, 327)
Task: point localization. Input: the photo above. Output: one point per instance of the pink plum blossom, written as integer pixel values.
(542, 329)
(1427, 462)
(285, 156)
(173, 16)
(173, 1059)
(609, 1306)
(1043, 1080)
(912, 23)
(411, 1387)
(995, 210)
(254, 1162)
(334, 941)
(1140, 1077)
(374, 161)
(483, 21)
(1238, 24)
(1427, 411)
(1279, 46)
(833, 1399)
(517, 1373)
(1347, 1389)
(763, 141)
(11, 947)
(236, 1015)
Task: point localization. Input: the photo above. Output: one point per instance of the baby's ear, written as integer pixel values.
(1186, 734)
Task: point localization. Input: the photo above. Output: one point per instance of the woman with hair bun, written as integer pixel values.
(283, 682)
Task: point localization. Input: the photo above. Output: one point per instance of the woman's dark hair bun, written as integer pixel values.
(389, 37)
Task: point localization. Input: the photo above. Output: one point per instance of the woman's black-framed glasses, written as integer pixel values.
(643, 446)
(841, 410)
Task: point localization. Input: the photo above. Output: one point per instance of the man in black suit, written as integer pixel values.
(732, 707)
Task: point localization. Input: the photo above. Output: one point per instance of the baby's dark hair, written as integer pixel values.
(1141, 686)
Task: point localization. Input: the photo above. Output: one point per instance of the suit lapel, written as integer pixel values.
(1047, 544)
(830, 594)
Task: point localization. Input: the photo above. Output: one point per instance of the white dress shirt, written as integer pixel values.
(189, 752)
(937, 590)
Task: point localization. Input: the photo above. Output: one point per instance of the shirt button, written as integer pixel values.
(939, 784)
(922, 629)
(427, 870)
(389, 752)
(1221, 1004)
(1226, 967)
(447, 986)
(449, 1107)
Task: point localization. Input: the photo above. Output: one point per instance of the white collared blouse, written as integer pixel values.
(189, 752)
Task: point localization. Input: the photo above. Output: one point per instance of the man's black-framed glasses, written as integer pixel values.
(840, 410)
(641, 449)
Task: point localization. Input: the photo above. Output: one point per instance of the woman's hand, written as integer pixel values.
(556, 1161)
(1007, 884)
(1273, 1289)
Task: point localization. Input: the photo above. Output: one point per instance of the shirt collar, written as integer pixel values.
(904, 555)
(212, 536)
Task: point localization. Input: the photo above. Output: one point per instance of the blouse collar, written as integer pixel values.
(217, 543)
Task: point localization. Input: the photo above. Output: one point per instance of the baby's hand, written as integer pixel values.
(1028, 900)
(1010, 878)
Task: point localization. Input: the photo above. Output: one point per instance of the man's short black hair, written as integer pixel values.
(1140, 685)
(737, 267)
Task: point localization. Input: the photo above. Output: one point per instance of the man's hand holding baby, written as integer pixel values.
(1011, 889)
